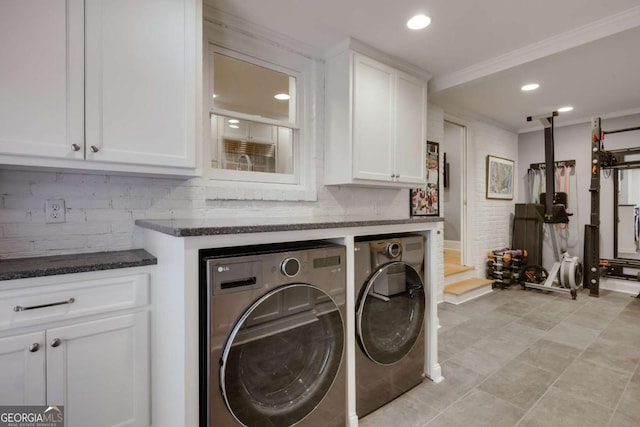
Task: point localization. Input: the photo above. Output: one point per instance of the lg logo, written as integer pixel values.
(223, 268)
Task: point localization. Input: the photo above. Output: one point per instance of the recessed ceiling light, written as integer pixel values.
(282, 96)
(234, 126)
(565, 109)
(530, 86)
(234, 121)
(214, 96)
(418, 22)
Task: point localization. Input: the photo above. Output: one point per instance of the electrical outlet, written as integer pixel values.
(54, 211)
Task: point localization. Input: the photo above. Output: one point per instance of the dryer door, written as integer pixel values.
(389, 324)
(282, 356)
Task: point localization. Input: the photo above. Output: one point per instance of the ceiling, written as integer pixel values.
(583, 53)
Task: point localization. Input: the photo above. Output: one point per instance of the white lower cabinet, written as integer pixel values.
(98, 367)
(22, 369)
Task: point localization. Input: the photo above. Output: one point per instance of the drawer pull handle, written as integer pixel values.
(33, 307)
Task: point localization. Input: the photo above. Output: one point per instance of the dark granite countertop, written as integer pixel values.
(21, 268)
(212, 227)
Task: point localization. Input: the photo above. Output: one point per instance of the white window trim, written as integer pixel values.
(279, 56)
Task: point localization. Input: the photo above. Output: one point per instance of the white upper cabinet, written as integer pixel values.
(101, 84)
(376, 123)
(140, 80)
(41, 78)
(372, 120)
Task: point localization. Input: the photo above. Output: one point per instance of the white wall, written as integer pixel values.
(101, 209)
(574, 143)
(489, 221)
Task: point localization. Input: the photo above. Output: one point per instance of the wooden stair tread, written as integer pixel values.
(450, 269)
(464, 286)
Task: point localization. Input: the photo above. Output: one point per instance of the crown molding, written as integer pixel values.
(602, 28)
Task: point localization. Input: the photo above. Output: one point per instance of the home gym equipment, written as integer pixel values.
(566, 274)
(504, 266)
(613, 160)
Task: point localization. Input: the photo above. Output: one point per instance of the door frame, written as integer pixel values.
(464, 176)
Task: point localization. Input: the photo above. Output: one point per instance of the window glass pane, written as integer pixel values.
(247, 88)
(245, 145)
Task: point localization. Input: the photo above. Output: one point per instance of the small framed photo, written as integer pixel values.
(499, 178)
(425, 201)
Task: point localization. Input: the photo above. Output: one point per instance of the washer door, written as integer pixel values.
(388, 325)
(282, 356)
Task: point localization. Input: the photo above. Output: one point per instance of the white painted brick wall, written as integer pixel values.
(489, 220)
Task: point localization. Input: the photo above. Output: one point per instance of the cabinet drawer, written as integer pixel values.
(62, 300)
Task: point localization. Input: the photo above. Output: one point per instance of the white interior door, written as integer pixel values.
(454, 197)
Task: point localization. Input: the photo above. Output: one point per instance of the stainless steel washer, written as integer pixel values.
(390, 312)
(273, 335)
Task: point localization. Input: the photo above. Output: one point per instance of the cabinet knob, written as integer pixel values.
(94, 149)
(393, 175)
(56, 342)
(34, 347)
(75, 147)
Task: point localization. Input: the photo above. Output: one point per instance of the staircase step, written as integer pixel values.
(451, 269)
(465, 290)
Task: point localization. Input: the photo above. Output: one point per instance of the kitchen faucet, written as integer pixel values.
(248, 160)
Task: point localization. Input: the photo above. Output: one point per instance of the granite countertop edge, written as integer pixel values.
(24, 268)
(167, 226)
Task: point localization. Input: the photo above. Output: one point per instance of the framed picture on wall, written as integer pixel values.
(499, 178)
(425, 201)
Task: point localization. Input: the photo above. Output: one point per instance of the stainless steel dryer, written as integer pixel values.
(390, 312)
(272, 336)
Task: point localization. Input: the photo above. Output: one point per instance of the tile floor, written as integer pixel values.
(527, 358)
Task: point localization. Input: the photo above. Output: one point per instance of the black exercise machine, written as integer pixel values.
(566, 274)
(613, 160)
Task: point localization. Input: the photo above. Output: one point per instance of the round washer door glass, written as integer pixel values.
(282, 356)
(390, 312)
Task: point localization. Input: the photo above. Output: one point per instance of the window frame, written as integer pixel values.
(252, 185)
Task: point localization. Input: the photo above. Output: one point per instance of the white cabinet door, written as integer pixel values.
(411, 117)
(372, 119)
(41, 78)
(22, 369)
(140, 81)
(100, 371)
